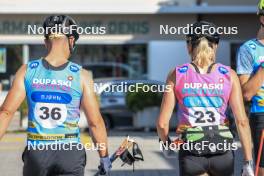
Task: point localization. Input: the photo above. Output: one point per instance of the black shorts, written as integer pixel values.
(214, 165)
(257, 125)
(47, 162)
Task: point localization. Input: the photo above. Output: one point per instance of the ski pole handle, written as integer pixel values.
(101, 170)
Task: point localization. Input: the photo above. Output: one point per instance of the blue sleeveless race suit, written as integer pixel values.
(53, 98)
(249, 58)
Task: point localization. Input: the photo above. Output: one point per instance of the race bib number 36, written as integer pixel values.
(50, 115)
(200, 116)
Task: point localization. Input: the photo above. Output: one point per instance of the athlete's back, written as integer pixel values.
(53, 97)
(202, 98)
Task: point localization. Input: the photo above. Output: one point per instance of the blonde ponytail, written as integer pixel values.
(203, 54)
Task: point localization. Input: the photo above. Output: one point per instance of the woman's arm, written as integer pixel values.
(167, 106)
(242, 123)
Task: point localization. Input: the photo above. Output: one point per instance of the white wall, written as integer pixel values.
(163, 56)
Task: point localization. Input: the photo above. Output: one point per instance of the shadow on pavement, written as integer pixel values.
(131, 133)
(144, 173)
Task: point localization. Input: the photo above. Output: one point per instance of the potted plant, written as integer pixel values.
(23, 114)
(145, 106)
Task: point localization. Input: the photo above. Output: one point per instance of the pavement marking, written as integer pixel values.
(13, 139)
(85, 138)
(14, 143)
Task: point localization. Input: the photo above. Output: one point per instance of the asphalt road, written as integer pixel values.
(155, 163)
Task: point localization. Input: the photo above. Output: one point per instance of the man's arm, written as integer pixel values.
(13, 100)
(238, 109)
(251, 85)
(91, 110)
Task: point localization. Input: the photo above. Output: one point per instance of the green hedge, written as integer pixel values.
(137, 101)
(24, 108)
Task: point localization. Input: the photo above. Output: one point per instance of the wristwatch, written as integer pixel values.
(249, 162)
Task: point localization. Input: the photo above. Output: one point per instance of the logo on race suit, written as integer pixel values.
(261, 103)
(183, 69)
(223, 70)
(261, 59)
(252, 45)
(70, 78)
(57, 82)
(74, 68)
(198, 85)
(221, 80)
(34, 65)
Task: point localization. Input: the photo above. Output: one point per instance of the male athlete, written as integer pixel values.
(250, 68)
(55, 89)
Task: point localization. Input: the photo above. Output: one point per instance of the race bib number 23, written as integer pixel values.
(200, 116)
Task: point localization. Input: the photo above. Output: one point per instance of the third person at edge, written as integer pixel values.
(201, 109)
(250, 68)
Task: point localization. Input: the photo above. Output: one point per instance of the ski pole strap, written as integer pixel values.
(125, 155)
(137, 153)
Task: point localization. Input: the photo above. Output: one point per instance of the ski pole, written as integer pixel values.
(259, 153)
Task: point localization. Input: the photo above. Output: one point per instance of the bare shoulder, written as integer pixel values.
(23, 68)
(172, 76)
(86, 77)
(21, 71)
(86, 74)
(233, 73)
(234, 77)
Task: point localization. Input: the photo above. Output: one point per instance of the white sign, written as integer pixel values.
(2, 60)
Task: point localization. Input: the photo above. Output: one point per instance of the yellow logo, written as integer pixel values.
(261, 102)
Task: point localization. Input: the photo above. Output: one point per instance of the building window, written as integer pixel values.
(9, 67)
(105, 61)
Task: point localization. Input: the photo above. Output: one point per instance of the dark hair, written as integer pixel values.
(60, 23)
(197, 31)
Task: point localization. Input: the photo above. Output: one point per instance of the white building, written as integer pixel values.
(133, 31)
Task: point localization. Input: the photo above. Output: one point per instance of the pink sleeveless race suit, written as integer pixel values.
(202, 98)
